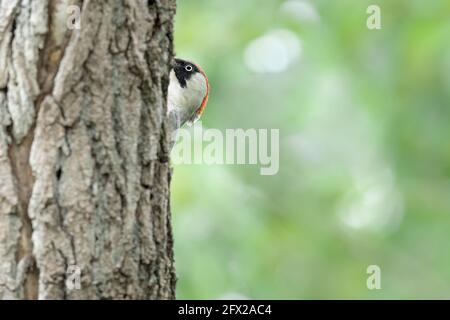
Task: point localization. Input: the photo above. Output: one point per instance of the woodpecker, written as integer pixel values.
(188, 92)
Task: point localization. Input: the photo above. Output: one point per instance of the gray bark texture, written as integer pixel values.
(84, 166)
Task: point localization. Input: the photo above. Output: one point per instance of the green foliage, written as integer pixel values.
(364, 176)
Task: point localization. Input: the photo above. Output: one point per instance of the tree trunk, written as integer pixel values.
(84, 166)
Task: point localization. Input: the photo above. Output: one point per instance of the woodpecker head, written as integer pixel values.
(188, 91)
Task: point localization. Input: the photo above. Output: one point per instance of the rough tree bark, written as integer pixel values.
(84, 171)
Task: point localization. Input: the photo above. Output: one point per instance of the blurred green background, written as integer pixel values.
(364, 176)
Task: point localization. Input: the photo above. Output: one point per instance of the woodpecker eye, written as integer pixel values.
(188, 68)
